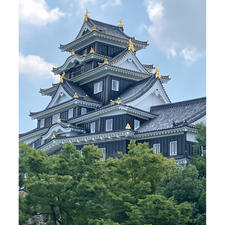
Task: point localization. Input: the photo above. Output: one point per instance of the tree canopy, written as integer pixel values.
(78, 187)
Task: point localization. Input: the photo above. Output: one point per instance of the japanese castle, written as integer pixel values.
(107, 97)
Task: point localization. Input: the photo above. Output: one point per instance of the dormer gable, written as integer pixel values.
(60, 96)
(84, 30)
(129, 61)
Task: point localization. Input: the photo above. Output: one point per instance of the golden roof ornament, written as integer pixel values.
(94, 28)
(62, 77)
(76, 95)
(59, 120)
(128, 127)
(86, 16)
(72, 52)
(111, 102)
(53, 136)
(131, 45)
(106, 61)
(104, 30)
(118, 101)
(157, 75)
(92, 50)
(121, 24)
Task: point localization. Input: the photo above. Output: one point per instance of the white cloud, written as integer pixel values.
(177, 27)
(111, 3)
(36, 12)
(190, 55)
(155, 10)
(35, 67)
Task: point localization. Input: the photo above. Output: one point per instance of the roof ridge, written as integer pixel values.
(189, 101)
(108, 24)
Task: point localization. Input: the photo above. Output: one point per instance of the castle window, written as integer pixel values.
(55, 118)
(173, 148)
(156, 148)
(48, 121)
(108, 125)
(70, 113)
(92, 127)
(115, 85)
(64, 115)
(98, 87)
(42, 123)
(83, 111)
(136, 124)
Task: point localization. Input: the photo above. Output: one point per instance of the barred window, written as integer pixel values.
(63, 115)
(92, 127)
(108, 125)
(98, 87)
(115, 85)
(70, 113)
(156, 148)
(173, 148)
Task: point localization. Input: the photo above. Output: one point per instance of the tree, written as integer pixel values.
(201, 137)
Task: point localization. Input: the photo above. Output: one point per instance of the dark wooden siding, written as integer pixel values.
(165, 144)
(107, 93)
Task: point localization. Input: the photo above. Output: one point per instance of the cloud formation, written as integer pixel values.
(35, 67)
(177, 27)
(36, 12)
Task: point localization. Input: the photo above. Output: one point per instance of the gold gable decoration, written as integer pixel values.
(94, 28)
(128, 127)
(59, 120)
(118, 101)
(76, 95)
(86, 16)
(106, 61)
(131, 46)
(92, 50)
(62, 77)
(111, 102)
(72, 52)
(53, 136)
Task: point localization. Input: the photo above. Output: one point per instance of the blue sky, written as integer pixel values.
(174, 28)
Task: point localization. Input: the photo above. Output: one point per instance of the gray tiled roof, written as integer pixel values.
(138, 89)
(71, 88)
(175, 114)
(110, 29)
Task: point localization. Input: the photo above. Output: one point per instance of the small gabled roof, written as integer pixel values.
(175, 114)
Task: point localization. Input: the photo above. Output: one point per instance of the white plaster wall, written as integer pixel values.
(155, 96)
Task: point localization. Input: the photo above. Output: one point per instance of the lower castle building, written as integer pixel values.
(107, 97)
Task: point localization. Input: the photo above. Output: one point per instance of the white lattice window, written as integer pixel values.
(108, 125)
(92, 127)
(55, 118)
(115, 85)
(83, 111)
(136, 124)
(173, 148)
(98, 87)
(70, 113)
(156, 148)
(42, 123)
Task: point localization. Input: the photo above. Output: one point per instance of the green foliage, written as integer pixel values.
(201, 136)
(138, 188)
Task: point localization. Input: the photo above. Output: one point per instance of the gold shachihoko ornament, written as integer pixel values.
(86, 16)
(157, 75)
(62, 77)
(131, 46)
(121, 23)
